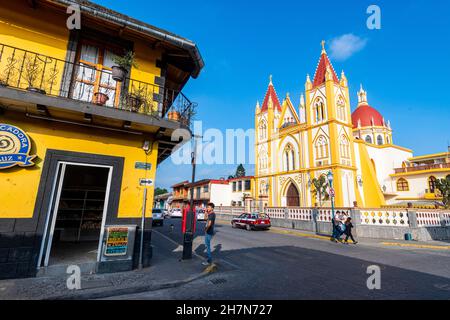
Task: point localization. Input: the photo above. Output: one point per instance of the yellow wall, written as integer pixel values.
(373, 197)
(44, 31)
(19, 185)
(37, 30)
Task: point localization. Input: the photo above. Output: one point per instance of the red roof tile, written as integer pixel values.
(271, 94)
(319, 77)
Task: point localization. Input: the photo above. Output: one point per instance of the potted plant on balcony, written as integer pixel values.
(123, 64)
(100, 98)
(174, 115)
(31, 73)
(188, 115)
(136, 99)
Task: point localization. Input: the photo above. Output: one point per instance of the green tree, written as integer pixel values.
(159, 191)
(443, 185)
(320, 189)
(240, 171)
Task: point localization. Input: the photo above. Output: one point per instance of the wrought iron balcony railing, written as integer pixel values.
(26, 70)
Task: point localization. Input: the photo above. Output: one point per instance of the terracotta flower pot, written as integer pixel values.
(174, 115)
(119, 73)
(100, 98)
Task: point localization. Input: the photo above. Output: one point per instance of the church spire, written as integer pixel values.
(325, 70)
(271, 99)
(257, 108)
(362, 97)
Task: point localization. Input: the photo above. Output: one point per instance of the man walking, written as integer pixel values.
(209, 232)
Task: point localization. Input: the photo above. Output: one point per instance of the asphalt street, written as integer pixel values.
(258, 265)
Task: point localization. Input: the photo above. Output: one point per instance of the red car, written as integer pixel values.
(251, 221)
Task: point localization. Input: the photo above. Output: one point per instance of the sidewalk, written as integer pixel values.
(381, 243)
(167, 271)
(433, 245)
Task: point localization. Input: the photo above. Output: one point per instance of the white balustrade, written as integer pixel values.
(276, 213)
(300, 214)
(428, 219)
(379, 217)
(433, 218)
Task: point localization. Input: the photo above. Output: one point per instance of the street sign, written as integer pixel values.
(143, 166)
(332, 193)
(146, 182)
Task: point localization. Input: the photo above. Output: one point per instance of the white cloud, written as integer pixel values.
(343, 47)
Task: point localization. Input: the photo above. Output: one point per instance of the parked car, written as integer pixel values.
(158, 217)
(176, 213)
(252, 221)
(201, 215)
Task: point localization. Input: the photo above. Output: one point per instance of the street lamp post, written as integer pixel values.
(190, 219)
(330, 181)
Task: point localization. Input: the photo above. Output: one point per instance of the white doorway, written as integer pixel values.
(77, 214)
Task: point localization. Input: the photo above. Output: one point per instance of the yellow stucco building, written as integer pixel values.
(79, 143)
(295, 145)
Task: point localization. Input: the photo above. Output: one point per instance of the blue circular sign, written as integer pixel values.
(15, 147)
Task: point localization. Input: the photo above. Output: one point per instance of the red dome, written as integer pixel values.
(365, 114)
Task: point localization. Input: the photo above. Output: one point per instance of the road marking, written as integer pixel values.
(299, 234)
(419, 246)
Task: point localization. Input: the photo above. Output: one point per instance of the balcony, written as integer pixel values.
(48, 88)
(423, 167)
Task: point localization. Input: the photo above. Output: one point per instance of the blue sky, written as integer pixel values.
(405, 66)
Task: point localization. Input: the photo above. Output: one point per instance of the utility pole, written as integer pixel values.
(190, 219)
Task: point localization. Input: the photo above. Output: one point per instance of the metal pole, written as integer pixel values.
(141, 247)
(189, 236)
(332, 200)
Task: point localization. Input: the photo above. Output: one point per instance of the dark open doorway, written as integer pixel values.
(80, 200)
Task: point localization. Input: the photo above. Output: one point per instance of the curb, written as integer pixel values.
(113, 292)
(418, 246)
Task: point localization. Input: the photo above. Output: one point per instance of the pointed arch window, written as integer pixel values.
(345, 147)
(341, 112)
(402, 185)
(262, 130)
(321, 147)
(289, 158)
(319, 110)
(369, 139)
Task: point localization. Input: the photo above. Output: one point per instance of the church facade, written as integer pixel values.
(295, 145)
